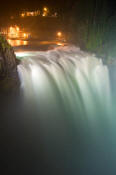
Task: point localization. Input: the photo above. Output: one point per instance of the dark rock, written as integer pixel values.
(9, 81)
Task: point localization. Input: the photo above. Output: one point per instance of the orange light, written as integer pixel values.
(25, 42)
(22, 15)
(17, 28)
(11, 28)
(59, 44)
(45, 9)
(25, 35)
(17, 43)
(59, 34)
(44, 14)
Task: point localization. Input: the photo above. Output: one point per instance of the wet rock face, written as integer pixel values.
(8, 67)
(7, 61)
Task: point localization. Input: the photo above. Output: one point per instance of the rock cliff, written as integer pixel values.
(8, 68)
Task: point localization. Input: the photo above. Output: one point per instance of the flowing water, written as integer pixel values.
(69, 112)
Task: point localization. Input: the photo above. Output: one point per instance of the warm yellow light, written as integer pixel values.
(22, 14)
(25, 35)
(59, 44)
(25, 42)
(17, 42)
(59, 34)
(9, 41)
(45, 9)
(43, 14)
(17, 28)
(11, 28)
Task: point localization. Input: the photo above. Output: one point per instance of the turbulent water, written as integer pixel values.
(70, 112)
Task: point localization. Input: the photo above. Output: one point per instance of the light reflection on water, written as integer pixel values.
(17, 42)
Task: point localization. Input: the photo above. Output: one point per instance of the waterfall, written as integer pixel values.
(67, 93)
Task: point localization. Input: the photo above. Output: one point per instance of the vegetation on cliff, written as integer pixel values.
(92, 27)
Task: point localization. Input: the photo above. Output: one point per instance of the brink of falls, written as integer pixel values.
(70, 111)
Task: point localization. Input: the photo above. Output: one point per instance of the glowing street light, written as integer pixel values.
(45, 9)
(59, 34)
(23, 15)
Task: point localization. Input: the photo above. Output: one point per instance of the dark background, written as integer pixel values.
(13, 6)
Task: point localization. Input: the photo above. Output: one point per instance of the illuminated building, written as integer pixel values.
(45, 11)
(30, 13)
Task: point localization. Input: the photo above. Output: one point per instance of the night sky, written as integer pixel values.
(23, 4)
(12, 6)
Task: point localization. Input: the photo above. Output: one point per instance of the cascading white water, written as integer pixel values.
(69, 91)
(80, 80)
